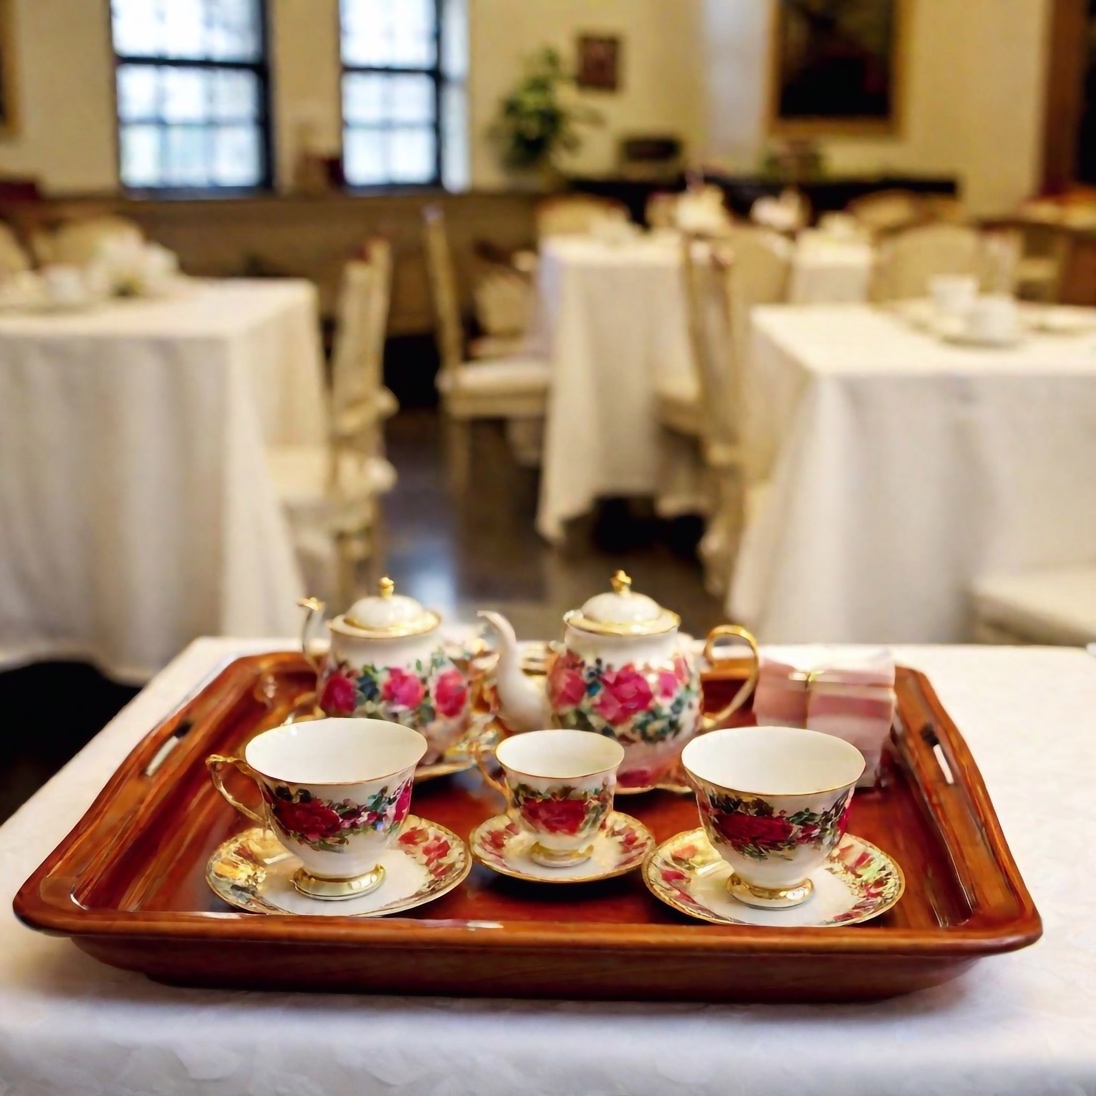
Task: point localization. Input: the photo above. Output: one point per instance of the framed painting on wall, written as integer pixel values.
(836, 67)
(598, 65)
(9, 120)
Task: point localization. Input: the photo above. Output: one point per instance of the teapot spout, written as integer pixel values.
(523, 705)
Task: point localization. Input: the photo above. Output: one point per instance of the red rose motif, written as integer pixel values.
(667, 683)
(403, 803)
(624, 694)
(843, 821)
(339, 696)
(554, 815)
(403, 689)
(681, 668)
(313, 820)
(450, 693)
(566, 688)
(742, 829)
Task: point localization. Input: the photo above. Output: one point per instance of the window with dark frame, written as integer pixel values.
(392, 92)
(193, 94)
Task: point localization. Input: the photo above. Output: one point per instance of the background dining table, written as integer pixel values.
(137, 430)
(611, 317)
(901, 466)
(1013, 1025)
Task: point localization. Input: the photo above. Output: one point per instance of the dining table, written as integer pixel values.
(136, 506)
(896, 463)
(1013, 1024)
(611, 318)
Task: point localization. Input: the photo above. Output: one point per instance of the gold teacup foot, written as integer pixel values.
(552, 858)
(769, 898)
(337, 890)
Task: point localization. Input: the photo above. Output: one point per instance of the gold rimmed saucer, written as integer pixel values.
(253, 872)
(504, 846)
(857, 883)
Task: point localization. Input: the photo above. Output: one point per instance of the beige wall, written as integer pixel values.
(974, 86)
(65, 76)
(696, 67)
(662, 85)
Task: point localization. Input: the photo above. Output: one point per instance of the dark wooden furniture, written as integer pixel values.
(128, 885)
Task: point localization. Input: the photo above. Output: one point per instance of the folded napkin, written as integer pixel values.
(127, 267)
(784, 214)
(849, 695)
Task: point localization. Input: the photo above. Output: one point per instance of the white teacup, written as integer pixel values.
(993, 319)
(559, 786)
(335, 793)
(774, 803)
(953, 294)
(64, 284)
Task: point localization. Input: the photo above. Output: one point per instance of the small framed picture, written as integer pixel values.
(598, 62)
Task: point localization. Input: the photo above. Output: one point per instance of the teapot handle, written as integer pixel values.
(716, 719)
(313, 607)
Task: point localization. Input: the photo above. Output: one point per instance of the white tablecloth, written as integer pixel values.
(903, 467)
(1018, 1024)
(136, 510)
(612, 319)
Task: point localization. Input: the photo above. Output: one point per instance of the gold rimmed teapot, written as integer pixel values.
(388, 660)
(621, 671)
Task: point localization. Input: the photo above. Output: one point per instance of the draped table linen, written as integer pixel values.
(136, 509)
(901, 467)
(1012, 1025)
(612, 319)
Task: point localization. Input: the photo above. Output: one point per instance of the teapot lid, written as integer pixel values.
(622, 613)
(387, 614)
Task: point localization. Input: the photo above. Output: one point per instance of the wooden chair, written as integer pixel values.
(575, 214)
(495, 388)
(1055, 606)
(907, 259)
(886, 210)
(331, 492)
(712, 412)
(79, 242)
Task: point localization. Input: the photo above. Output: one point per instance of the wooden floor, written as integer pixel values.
(456, 554)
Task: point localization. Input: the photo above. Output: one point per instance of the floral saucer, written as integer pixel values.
(253, 872)
(503, 845)
(857, 883)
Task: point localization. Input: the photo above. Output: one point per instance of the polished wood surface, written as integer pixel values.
(128, 885)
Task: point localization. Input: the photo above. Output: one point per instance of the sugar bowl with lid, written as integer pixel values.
(388, 660)
(623, 670)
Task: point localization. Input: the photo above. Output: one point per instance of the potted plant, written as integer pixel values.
(536, 122)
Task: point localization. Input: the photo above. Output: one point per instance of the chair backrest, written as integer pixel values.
(886, 210)
(13, 259)
(79, 242)
(907, 259)
(575, 214)
(709, 269)
(443, 287)
(357, 372)
(763, 268)
(503, 300)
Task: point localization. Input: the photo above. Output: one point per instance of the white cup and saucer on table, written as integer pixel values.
(993, 320)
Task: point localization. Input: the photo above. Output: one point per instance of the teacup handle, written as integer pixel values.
(715, 719)
(214, 763)
(313, 607)
(481, 753)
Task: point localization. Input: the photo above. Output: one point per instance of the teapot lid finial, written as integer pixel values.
(621, 583)
(623, 612)
(386, 587)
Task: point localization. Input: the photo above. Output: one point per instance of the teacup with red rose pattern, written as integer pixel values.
(774, 803)
(335, 792)
(559, 785)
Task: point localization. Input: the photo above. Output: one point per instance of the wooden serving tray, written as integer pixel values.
(127, 885)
